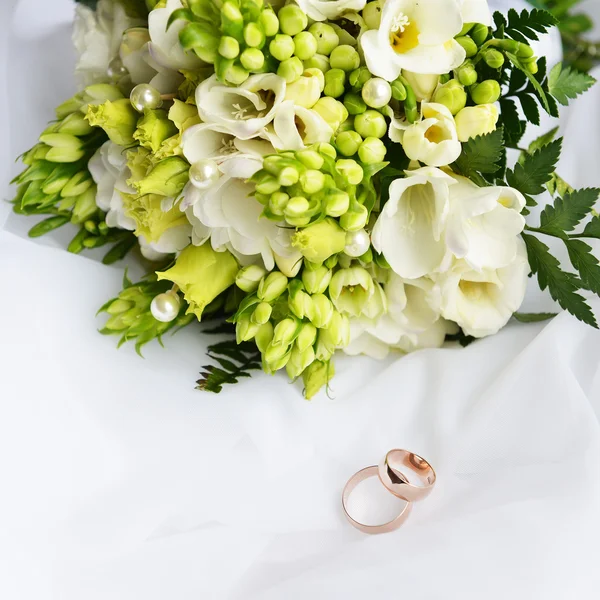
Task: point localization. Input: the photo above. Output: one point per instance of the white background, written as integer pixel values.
(120, 481)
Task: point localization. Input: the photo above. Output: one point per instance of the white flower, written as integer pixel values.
(321, 10)
(171, 241)
(416, 35)
(472, 121)
(476, 11)
(482, 302)
(97, 38)
(422, 85)
(108, 168)
(165, 47)
(135, 55)
(242, 111)
(433, 140)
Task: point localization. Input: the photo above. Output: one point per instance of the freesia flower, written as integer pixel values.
(476, 120)
(321, 10)
(423, 85)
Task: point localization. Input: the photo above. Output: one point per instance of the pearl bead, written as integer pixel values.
(165, 307)
(357, 243)
(204, 173)
(376, 92)
(116, 69)
(144, 96)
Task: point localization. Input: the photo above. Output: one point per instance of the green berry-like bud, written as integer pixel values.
(278, 202)
(292, 19)
(354, 103)
(348, 142)
(229, 47)
(310, 159)
(262, 313)
(359, 77)
(291, 69)
(355, 219)
(350, 169)
(248, 278)
(312, 181)
(479, 33)
(288, 176)
(305, 45)
(296, 207)
(486, 92)
(493, 58)
(372, 14)
(468, 44)
(370, 124)
(372, 151)
(531, 64)
(326, 149)
(336, 203)
(524, 50)
(467, 74)
(334, 83)
(452, 95)
(316, 278)
(318, 61)
(272, 286)
(269, 21)
(267, 184)
(398, 91)
(254, 36)
(344, 57)
(326, 36)
(236, 75)
(282, 47)
(252, 59)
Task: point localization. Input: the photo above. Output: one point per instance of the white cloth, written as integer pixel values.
(121, 482)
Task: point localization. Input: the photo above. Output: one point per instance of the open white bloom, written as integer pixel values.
(416, 35)
(482, 302)
(97, 38)
(165, 47)
(242, 111)
(135, 55)
(321, 10)
(433, 140)
(476, 11)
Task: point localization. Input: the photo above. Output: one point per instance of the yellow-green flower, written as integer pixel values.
(118, 119)
(320, 241)
(315, 376)
(167, 178)
(154, 128)
(202, 274)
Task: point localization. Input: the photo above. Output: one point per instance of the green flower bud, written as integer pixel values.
(298, 362)
(252, 59)
(229, 47)
(264, 336)
(336, 203)
(267, 184)
(327, 149)
(310, 158)
(468, 44)
(249, 277)
(316, 278)
(466, 28)
(269, 21)
(398, 91)
(289, 266)
(344, 57)
(285, 332)
(245, 329)
(319, 241)
(307, 336)
(355, 218)
(333, 112)
(201, 274)
(372, 14)
(282, 47)
(476, 120)
(370, 124)
(63, 147)
(305, 45)
(75, 124)
(372, 151)
(278, 202)
(348, 142)
(85, 206)
(350, 169)
(118, 119)
(531, 64)
(77, 185)
(334, 83)
(322, 310)
(232, 21)
(486, 92)
(153, 129)
(167, 178)
(292, 19)
(307, 89)
(523, 50)
(262, 313)
(288, 176)
(290, 69)
(316, 375)
(326, 37)
(337, 334)
(300, 304)
(351, 289)
(479, 33)
(312, 181)
(347, 125)
(276, 356)
(297, 206)
(318, 61)
(272, 286)
(423, 85)
(452, 95)
(493, 58)
(467, 75)
(354, 104)
(359, 77)
(254, 36)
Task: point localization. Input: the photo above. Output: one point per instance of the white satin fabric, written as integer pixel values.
(120, 481)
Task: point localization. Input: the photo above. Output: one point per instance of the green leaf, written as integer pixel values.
(525, 25)
(562, 286)
(533, 317)
(592, 229)
(586, 263)
(530, 108)
(567, 212)
(481, 154)
(120, 250)
(514, 127)
(536, 85)
(566, 83)
(537, 168)
(542, 141)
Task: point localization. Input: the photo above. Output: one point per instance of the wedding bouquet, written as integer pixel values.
(320, 175)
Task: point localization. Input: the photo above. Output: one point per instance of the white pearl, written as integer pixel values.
(357, 243)
(165, 307)
(116, 69)
(144, 96)
(376, 92)
(204, 173)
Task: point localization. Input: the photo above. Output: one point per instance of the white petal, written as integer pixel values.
(438, 21)
(476, 11)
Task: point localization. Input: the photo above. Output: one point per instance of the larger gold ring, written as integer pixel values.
(392, 473)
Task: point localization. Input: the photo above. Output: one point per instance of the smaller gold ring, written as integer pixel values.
(392, 470)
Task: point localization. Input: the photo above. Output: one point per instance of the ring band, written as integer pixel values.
(391, 473)
(383, 528)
